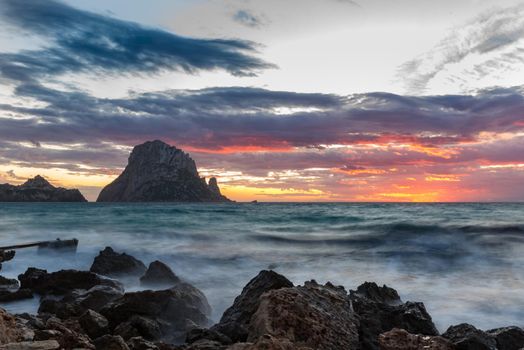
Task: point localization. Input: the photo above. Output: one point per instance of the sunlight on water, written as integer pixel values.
(464, 261)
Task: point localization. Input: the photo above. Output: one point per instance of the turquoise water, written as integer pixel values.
(464, 261)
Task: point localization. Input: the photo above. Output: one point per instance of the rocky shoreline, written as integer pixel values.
(91, 310)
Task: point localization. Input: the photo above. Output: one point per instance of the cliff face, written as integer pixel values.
(38, 189)
(158, 172)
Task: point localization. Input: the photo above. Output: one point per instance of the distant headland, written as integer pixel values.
(38, 189)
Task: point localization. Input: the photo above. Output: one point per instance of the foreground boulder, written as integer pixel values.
(110, 263)
(62, 282)
(508, 338)
(173, 311)
(158, 172)
(400, 339)
(313, 315)
(235, 320)
(38, 189)
(159, 273)
(9, 331)
(465, 337)
(380, 309)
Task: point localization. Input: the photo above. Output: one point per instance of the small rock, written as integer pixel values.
(94, 324)
(159, 273)
(139, 343)
(400, 339)
(110, 342)
(508, 338)
(203, 333)
(139, 326)
(59, 308)
(466, 337)
(32, 345)
(235, 320)
(110, 263)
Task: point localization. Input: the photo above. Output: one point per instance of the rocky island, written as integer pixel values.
(88, 310)
(38, 189)
(158, 172)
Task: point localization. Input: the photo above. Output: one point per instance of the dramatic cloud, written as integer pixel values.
(81, 41)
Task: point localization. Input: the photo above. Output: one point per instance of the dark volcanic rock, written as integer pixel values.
(139, 343)
(157, 172)
(110, 342)
(313, 315)
(176, 310)
(110, 263)
(139, 326)
(95, 298)
(38, 189)
(61, 282)
(235, 320)
(197, 334)
(60, 308)
(400, 339)
(8, 283)
(508, 338)
(7, 295)
(94, 324)
(159, 273)
(466, 337)
(380, 310)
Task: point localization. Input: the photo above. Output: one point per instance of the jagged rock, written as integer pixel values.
(380, 309)
(9, 331)
(32, 345)
(60, 308)
(197, 334)
(205, 344)
(176, 310)
(400, 339)
(38, 189)
(235, 320)
(95, 298)
(508, 338)
(94, 324)
(158, 172)
(7, 296)
(466, 337)
(268, 342)
(138, 326)
(313, 315)
(110, 263)
(68, 334)
(159, 273)
(139, 343)
(61, 282)
(110, 342)
(8, 283)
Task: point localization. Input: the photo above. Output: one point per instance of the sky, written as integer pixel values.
(281, 100)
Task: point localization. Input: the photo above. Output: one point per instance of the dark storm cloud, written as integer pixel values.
(81, 41)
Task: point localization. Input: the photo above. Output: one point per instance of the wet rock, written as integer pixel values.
(94, 324)
(177, 310)
(61, 282)
(97, 297)
(8, 283)
(20, 294)
(205, 344)
(268, 342)
(110, 342)
(159, 273)
(139, 326)
(380, 309)
(400, 339)
(139, 343)
(110, 263)
(466, 337)
(59, 308)
(32, 345)
(197, 334)
(235, 320)
(508, 338)
(313, 315)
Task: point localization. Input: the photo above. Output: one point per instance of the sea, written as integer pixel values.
(465, 261)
